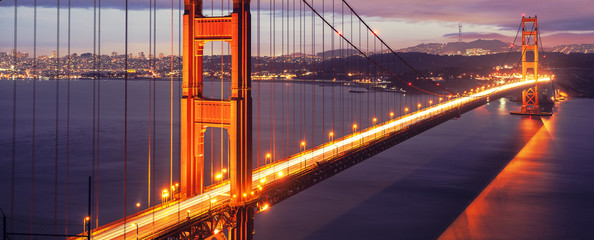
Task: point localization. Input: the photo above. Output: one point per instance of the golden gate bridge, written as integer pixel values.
(222, 205)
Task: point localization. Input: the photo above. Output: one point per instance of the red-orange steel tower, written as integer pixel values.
(233, 114)
(530, 45)
(198, 112)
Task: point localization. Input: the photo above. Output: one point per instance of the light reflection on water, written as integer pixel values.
(508, 200)
(488, 175)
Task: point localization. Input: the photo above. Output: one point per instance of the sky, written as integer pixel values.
(401, 23)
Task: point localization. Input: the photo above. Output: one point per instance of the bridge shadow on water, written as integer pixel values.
(415, 190)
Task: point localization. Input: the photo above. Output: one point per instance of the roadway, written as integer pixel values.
(160, 217)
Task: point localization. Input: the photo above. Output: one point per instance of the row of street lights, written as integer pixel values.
(268, 156)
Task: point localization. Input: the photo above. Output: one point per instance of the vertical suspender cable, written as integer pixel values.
(273, 105)
(57, 116)
(294, 86)
(333, 57)
(258, 86)
(282, 68)
(34, 111)
(323, 76)
(171, 107)
(125, 115)
(154, 109)
(313, 85)
(221, 95)
(212, 96)
(287, 85)
(179, 61)
(301, 67)
(68, 121)
(150, 102)
(14, 88)
(98, 115)
(93, 214)
(171, 119)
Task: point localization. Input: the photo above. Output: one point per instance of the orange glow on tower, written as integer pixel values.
(530, 44)
(199, 112)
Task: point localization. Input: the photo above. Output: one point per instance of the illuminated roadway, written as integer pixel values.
(162, 216)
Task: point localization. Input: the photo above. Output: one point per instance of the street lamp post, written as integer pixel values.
(391, 117)
(304, 159)
(268, 157)
(331, 136)
(405, 113)
(135, 225)
(164, 196)
(85, 220)
(137, 207)
(354, 131)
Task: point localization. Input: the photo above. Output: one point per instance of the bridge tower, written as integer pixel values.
(233, 114)
(530, 95)
(530, 102)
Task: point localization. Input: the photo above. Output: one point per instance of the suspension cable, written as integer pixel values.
(364, 54)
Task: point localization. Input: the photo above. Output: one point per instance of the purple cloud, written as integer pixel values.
(567, 15)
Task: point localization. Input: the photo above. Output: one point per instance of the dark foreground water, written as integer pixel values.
(488, 175)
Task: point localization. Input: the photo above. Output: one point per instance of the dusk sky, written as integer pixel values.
(401, 23)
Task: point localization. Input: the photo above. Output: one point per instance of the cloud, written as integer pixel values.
(108, 4)
(566, 15)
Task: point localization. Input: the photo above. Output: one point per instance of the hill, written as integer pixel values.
(477, 47)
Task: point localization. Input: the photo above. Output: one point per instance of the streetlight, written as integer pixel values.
(374, 120)
(331, 137)
(214, 200)
(164, 195)
(188, 212)
(135, 225)
(85, 220)
(304, 159)
(391, 114)
(268, 157)
(354, 130)
(137, 207)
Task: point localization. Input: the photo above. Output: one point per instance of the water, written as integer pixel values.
(488, 175)
(308, 107)
(426, 186)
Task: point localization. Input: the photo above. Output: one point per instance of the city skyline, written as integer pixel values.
(401, 23)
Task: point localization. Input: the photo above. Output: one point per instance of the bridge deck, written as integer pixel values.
(158, 219)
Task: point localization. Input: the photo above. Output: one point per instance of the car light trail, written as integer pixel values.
(203, 202)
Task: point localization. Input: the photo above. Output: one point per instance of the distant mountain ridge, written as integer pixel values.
(477, 47)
